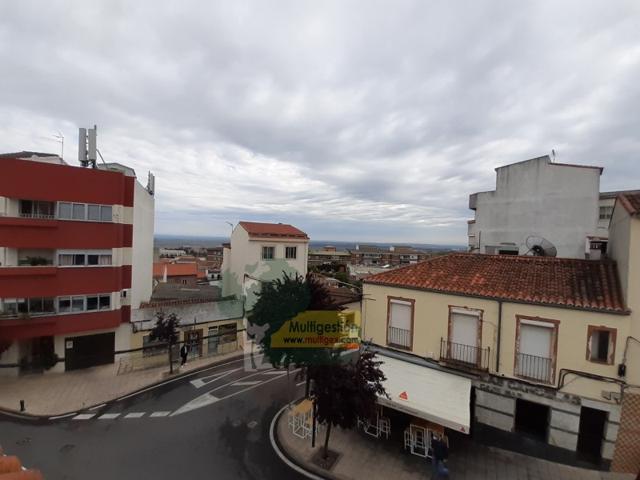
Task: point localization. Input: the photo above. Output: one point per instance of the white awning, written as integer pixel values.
(424, 392)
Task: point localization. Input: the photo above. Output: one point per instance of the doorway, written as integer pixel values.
(89, 350)
(193, 338)
(532, 419)
(591, 432)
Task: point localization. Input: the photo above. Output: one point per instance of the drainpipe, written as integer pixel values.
(499, 336)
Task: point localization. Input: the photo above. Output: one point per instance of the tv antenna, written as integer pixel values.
(540, 247)
(553, 154)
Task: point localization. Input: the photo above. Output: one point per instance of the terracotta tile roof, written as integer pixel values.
(281, 230)
(175, 269)
(566, 282)
(631, 202)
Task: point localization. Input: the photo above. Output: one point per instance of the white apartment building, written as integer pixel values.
(261, 252)
(558, 202)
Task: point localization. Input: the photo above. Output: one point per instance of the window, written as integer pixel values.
(106, 214)
(601, 344)
(291, 252)
(400, 322)
(93, 259)
(465, 333)
(536, 345)
(64, 210)
(77, 304)
(605, 213)
(105, 302)
(82, 259)
(64, 304)
(268, 253)
(93, 213)
(78, 211)
(92, 303)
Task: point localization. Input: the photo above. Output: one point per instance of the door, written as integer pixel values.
(591, 432)
(194, 340)
(463, 340)
(213, 341)
(89, 350)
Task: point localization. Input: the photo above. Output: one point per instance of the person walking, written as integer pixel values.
(440, 453)
(184, 351)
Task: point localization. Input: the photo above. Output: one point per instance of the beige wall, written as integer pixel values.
(431, 315)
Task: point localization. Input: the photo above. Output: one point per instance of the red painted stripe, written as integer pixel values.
(24, 282)
(58, 325)
(126, 313)
(32, 233)
(42, 181)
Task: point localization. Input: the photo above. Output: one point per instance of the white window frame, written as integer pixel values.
(295, 252)
(273, 250)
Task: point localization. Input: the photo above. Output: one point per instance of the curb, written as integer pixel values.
(33, 417)
(273, 437)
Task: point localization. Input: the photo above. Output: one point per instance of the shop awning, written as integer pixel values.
(424, 392)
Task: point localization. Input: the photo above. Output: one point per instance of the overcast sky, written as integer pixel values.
(352, 120)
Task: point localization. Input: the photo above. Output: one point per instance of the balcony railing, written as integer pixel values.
(41, 216)
(399, 337)
(468, 356)
(535, 368)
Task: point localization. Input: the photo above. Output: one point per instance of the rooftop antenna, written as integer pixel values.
(60, 139)
(553, 154)
(87, 148)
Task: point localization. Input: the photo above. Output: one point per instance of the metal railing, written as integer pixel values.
(463, 355)
(42, 216)
(399, 337)
(535, 368)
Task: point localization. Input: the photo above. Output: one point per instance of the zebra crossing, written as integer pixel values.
(114, 415)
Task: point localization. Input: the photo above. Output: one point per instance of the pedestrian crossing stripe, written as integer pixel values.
(84, 416)
(108, 416)
(160, 414)
(134, 415)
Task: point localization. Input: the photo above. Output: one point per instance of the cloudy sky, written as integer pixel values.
(352, 120)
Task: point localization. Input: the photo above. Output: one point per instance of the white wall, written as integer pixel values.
(245, 257)
(142, 252)
(536, 197)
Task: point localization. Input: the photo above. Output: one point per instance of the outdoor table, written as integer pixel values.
(300, 418)
(417, 438)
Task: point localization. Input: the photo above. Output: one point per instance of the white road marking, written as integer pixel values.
(134, 415)
(275, 372)
(252, 424)
(201, 382)
(160, 414)
(208, 399)
(201, 401)
(97, 406)
(84, 416)
(244, 384)
(108, 416)
(301, 383)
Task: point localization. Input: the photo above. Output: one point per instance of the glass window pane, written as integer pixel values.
(92, 259)
(47, 305)
(78, 259)
(45, 208)
(23, 305)
(92, 303)
(106, 214)
(64, 210)
(64, 304)
(78, 211)
(105, 302)
(105, 259)
(77, 304)
(93, 212)
(65, 259)
(35, 305)
(26, 207)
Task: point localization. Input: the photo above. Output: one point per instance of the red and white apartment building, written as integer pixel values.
(76, 256)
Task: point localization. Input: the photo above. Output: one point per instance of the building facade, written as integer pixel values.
(542, 339)
(372, 255)
(76, 253)
(261, 252)
(537, 198)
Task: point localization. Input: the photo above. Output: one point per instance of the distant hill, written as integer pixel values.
(172, 241)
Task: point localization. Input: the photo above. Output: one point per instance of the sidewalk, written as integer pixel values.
(363, 456)
(59, 393)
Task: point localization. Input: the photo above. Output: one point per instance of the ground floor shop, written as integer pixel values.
(61, 353)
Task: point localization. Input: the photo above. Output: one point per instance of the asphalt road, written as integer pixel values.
(211, 425)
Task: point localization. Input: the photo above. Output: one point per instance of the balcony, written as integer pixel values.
(538, 369)
(466, 356)
(28, 307)
(37, 209)
(399, 338)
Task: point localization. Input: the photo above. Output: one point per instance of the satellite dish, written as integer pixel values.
(540, 247)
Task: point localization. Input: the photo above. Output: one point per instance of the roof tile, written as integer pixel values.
(282, 230)
(567, 282)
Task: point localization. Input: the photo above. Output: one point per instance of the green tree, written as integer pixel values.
(345, 391)
(166, 330)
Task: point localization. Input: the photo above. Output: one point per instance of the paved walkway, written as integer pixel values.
(59, 393)
(363, 456)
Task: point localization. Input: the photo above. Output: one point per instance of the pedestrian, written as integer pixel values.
(184, 351)
(440, 452)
